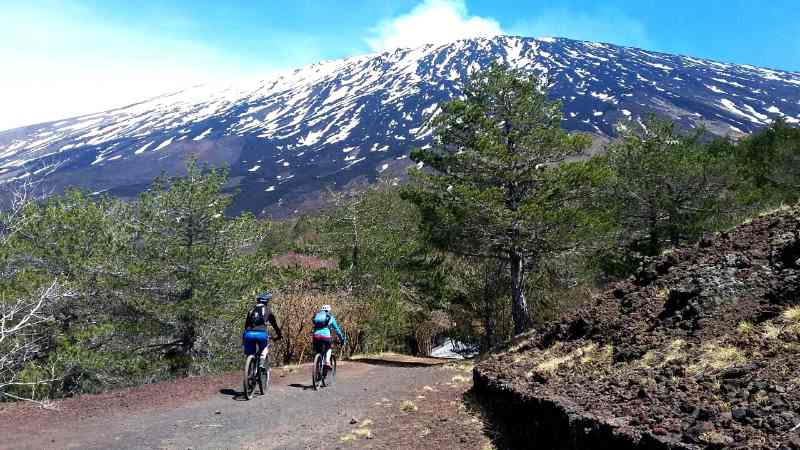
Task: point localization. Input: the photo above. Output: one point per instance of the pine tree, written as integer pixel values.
(665, 186)
(189, 261)
(494, 190)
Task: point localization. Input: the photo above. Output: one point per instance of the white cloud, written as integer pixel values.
(69, 62)
(431, 22)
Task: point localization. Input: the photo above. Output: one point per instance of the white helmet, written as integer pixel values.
(326, 308)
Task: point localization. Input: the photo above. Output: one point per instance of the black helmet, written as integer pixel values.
(263, 297)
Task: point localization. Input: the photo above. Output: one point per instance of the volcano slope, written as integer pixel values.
(700, 350)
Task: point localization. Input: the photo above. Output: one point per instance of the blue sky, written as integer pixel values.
(69, 57)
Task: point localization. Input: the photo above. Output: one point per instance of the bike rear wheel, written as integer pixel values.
(316, 371)
(250, 375)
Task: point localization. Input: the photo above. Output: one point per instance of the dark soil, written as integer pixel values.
(700, 350)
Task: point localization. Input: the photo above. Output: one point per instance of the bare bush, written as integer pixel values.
(23, 318)
(23, 333)
(295, 306)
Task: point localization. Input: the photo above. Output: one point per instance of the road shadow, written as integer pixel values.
(304, 387)
(494, 427)
(235, 395)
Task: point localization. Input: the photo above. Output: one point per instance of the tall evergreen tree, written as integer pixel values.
(489, 193)
(189, 261)
(665, 186)
(768, 164)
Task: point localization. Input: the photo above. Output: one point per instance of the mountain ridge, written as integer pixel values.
(338, 122)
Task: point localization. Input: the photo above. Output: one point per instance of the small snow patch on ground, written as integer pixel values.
(143, 148)
(774, 110)
(164, 144)
(602, 96)
(202, 135)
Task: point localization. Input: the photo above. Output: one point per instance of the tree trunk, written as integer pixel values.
(654, 238)
(519, 307)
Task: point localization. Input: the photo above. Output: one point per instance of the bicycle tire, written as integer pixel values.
(263, 377)
(316, 371)
(331, 378)
(249, 383)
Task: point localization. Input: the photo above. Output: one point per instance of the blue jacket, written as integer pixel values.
(324, 333)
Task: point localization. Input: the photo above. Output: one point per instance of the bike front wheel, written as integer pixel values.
(330, 377)
(263, 377)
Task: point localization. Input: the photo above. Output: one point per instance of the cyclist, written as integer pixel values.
(255, 327)
(323, 322)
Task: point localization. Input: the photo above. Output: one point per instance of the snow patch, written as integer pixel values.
(164, 144)
(202, 135)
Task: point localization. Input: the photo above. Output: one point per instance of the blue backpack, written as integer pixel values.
(321, 320)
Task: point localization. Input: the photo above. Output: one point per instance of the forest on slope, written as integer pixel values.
(506, 227)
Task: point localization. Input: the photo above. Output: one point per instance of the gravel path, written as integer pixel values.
(208, 413)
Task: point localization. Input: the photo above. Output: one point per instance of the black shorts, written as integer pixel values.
(321, 346)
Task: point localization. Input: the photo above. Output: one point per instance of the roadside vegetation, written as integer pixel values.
(504, 226)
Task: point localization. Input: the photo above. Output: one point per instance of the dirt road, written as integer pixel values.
(363, 410)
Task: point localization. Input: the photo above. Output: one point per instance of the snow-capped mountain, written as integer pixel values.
(291, 135)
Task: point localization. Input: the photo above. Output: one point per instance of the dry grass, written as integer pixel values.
(552, 364)
(676, 351)
(459, 379)
(761, 398)
(553, 359)
(717, 357)
(715, 438)
(349, 437)
(771, 332)
(745, 328)
(649, 359)
(408, 406)
(362, 433)
(792, 314)
(460, 367)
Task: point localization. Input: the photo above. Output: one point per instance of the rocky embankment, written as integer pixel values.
(700, 350)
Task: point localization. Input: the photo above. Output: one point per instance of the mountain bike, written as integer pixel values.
(322, 376)
(255, 375)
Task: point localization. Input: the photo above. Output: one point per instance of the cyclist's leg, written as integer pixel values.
(328, 353)
(249, 343)
(264, 354)
(263, 346)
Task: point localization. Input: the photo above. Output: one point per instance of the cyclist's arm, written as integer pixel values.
(248, 322)
(337, 329)
(274, 323)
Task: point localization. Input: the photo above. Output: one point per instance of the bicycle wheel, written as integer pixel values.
(331, 378)
(263, 377)
(250, 373)
(316, 371)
